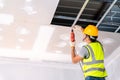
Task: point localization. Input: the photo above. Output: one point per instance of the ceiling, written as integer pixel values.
(26, 32)
(68, 10)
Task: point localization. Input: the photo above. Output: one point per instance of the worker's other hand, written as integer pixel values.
(77, 27)
(72, 44)
(72, 38)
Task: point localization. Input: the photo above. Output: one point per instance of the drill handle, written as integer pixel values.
(72, 36)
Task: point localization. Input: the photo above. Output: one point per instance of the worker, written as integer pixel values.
(91, 55)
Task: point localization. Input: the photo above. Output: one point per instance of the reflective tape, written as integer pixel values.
(94, 61)
(93, 69)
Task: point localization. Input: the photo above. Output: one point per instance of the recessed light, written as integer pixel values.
(29, 10)
(22, 31)
(6, 19)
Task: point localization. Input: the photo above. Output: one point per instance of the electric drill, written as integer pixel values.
(72, 36)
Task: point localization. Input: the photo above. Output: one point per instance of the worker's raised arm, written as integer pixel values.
(75, 58)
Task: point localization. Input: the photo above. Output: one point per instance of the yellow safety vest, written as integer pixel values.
(94, 64)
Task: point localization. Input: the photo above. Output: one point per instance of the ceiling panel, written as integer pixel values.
(25, 29)
(19, 24)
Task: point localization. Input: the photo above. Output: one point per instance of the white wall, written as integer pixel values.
(11, 69)
(113, 65)
(19, 70)
(46, 64)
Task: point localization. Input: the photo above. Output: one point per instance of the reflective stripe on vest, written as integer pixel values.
(94, 61)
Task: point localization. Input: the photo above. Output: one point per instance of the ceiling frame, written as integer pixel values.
(113, 3)
(104, 13)
(117, 29)
(80, 12)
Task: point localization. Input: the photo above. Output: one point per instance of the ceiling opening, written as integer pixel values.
(67, 11)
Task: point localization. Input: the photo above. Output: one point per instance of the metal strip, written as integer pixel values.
(106, 12)
(86, 20)
(117, 29)
(80, 12)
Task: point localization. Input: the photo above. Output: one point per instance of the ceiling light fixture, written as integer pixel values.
(6, 19)
(29, 10)
(22, 31)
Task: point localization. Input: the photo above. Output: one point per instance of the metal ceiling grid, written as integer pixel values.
(103, 13)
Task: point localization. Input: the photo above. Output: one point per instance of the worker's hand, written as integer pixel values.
(72, 38)
(72, 44)
(79, 28)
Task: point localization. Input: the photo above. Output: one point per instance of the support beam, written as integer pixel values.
(113, 3)
(117, 29)
(106, 0)
(85, 20)
(80, 12)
